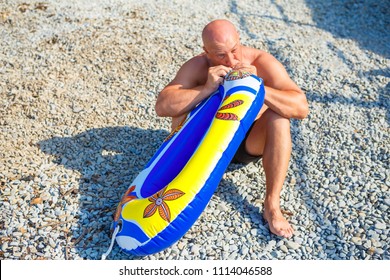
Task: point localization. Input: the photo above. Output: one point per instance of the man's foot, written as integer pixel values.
(277, 223)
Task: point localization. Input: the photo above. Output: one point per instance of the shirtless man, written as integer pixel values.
(269, 137)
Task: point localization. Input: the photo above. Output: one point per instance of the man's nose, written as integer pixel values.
(230, 60)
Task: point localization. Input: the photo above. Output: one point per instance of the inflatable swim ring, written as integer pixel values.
(170, 193)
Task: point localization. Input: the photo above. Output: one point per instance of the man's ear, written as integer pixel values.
(205, 50)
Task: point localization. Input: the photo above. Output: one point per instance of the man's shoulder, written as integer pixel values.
(193, 71)
(196, 67)
(199, 60)
(252, 51)
(253, 55)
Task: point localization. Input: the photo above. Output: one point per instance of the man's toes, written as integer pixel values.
(286, 233)
(290, 232)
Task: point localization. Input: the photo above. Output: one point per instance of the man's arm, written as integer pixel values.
(175, 101)
(282, 96)
(185, 91)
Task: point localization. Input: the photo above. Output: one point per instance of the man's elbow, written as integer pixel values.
(303, 113)
(302, 110)
(164, 109)
(158, 108)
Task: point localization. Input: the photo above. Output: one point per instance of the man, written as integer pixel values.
(269, 137)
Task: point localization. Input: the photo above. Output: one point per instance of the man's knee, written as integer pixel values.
(274, 120)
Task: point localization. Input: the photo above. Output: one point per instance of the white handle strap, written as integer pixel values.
(105, 255)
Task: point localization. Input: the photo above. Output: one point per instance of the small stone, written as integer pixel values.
(52, 243)
(233, 248)
(232, 256)
(380, 226)
(334, 188)
(379, 251)
(33, 250)
(272, 243)
(283, 248)
(195, 249)
(244, 250)
(184, 253)
(17, 254)
(292, 245)
(331, 237)
(77, 109)
(367, 244)
(342, 204)
(298, 240)
(4, 247)
(17, 234)
(356, 240)
(37, 200)
(222, 207)
(376, 243)
(181, 245)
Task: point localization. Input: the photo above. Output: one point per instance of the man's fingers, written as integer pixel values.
(216, 76)
(219, 70)
(220, 80)
(219, 74)
(245, 67)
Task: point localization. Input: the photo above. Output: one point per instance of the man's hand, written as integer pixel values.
(246, 67)
(215, 77)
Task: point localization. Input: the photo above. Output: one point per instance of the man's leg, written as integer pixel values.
(271, 137)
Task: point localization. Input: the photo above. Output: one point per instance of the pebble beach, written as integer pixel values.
(78, 84)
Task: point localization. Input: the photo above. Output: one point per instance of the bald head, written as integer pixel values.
(218, 32)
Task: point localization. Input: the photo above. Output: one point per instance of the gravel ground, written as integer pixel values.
(78, 83)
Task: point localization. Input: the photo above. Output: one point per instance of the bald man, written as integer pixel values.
(269, 137)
